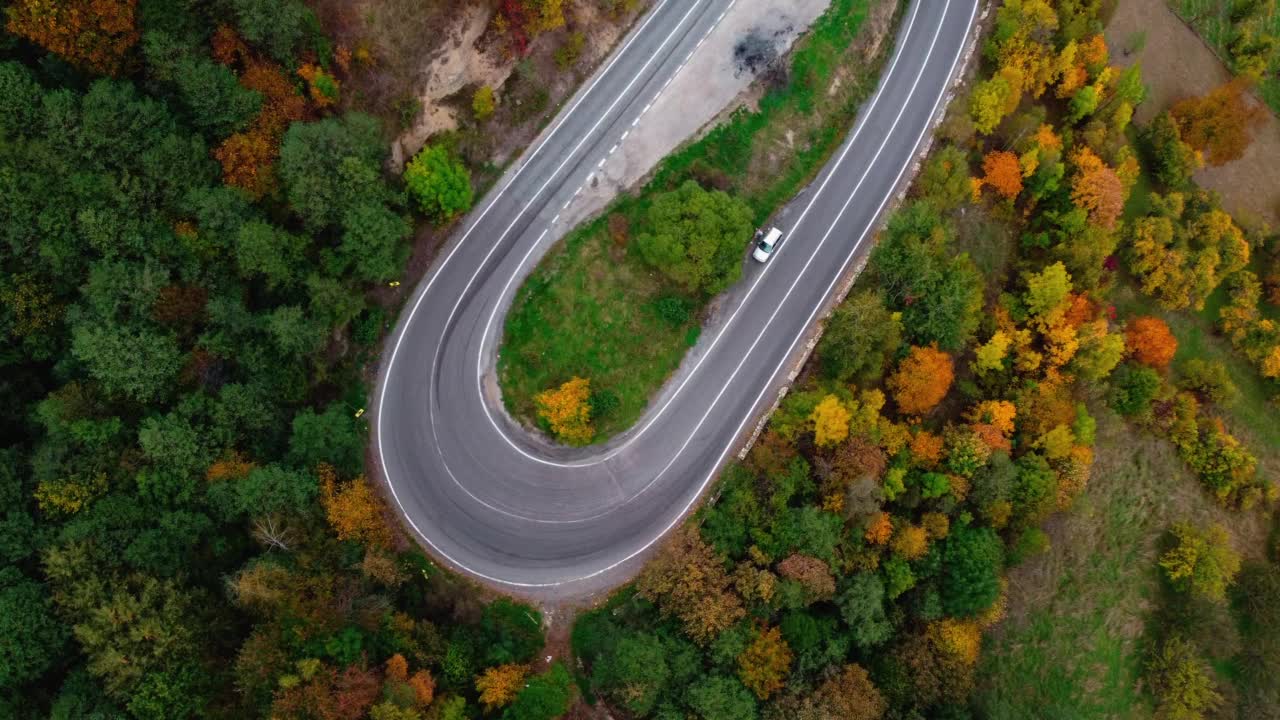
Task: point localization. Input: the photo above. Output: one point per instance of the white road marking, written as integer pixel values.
(849, 144)
(755, 402)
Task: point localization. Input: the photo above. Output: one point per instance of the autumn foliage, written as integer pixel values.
(248, 158)
(93, 35)
(499, 685)
(1219, 123)
(922, 380)
(1097, 189)
(688, 580)
(567, 410)
(354, 509)
(1002, 173)
(1150, 342)
(763, 666)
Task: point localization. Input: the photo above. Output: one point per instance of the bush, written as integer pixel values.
(483, 103)
(1133, 388)
(1181, 682)
(1209, 379)
(674, 310)
(439, 183)
(1201, 562)
(570, 50)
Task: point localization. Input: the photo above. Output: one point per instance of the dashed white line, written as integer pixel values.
(625, 134)
(555, 219)
(601, 163)
(613, 149)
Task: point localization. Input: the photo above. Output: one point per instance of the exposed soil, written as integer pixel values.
(1177, 64)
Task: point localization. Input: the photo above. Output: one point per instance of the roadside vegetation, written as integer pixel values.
(1019, 477)
(620, 300)
(195, 222)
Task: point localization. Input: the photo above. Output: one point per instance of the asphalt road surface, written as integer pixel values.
(498, 503)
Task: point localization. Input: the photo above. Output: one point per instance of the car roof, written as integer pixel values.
(772, 237)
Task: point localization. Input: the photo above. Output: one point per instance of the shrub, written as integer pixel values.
(439, 183)
(483, 103)
(1202, 562)
(1181, 682)
(1133, 387)
(1209, 379)
(567, 411)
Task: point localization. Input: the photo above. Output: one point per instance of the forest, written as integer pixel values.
(194, 219)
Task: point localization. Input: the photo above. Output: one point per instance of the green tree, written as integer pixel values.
(1133, 387)
(859, 339)
(439, 182)
(1172, 160)
(31, 637)
(277, 26)
(861, 605)
(331, 166)
(512, 632)
(20, 99)
(1182, 683)
(544, 697)
(373, 242)
(972, 560)
(211, 96)
(136, 363)
(634, 674)
(721, 698)
(945, 179)
(277, 255)
(274, 489)
(696, 238)
(331, 437)
(938, 292)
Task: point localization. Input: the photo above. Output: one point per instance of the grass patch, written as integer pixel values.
(1074, 644)
(1212, 21)
(591, 308)
(583, 312)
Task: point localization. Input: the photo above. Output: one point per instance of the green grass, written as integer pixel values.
(588, 309)
(1211, 19)
(1072, 647)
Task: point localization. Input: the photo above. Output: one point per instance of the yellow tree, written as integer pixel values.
(567, 410)
(764, 665)
(498, 686)
(830, 420)
(354, 509)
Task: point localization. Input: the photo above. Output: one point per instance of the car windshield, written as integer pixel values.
(766, 245)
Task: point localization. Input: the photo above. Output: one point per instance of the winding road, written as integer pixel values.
(496, 502)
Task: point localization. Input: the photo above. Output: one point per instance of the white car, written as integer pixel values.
(764, 248)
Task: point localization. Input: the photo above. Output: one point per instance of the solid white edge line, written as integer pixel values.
(831, 173)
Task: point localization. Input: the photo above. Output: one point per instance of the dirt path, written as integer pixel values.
(1176, 64)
